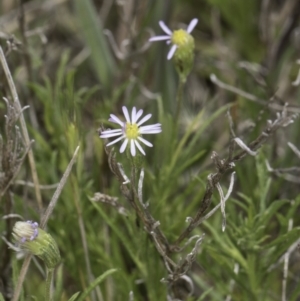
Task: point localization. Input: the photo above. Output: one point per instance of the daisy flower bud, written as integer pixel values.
(29, 237)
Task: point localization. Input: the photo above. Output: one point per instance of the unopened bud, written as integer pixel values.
(36, 241)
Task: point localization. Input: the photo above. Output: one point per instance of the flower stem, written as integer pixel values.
(22, 275)
(179, 100)
(49, 279)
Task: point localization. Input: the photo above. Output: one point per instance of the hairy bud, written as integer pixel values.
(36, 241)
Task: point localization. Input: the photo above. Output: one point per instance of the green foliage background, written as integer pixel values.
(77, 81)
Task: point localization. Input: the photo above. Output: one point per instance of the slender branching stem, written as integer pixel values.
(251, 97)
(286, 267)
(58, 190)
(224, 165)
(24, 130)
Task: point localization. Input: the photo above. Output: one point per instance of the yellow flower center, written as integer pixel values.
(132, 130)
(180, 37)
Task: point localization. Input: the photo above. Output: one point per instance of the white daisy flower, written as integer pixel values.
(131, 131)
(177, 38)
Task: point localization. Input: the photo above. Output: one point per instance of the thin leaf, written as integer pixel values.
(282, 243)
(270, 212)
(96, 41)
(73, 298)
(125, 241)
(97, 281)
(263, 179)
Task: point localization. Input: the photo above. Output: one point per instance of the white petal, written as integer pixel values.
(171, 52)
(151, 126)
(123, 146)
(144, 130)
(138, 115)
(109, 135)
(132, 148)
(133, 115)
(165, 28)
(192, 25)
(169, 42)
(139, 147)
(150, 131)
(144, 119)
(145, 141)
(159, 38)
(126, 114)
(115, 119)
(153, 131)
(115, 141)
(111, 131)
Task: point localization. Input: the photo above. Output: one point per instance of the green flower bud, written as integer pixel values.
(183, 46)
(184, 55)
(36, 241)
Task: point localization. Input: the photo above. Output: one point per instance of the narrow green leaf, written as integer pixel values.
(227, 246)
(263, 179)
(206, 293)
(95, 283)
(92, 30)
(189, 162)
(270, 212)
(125, 241)
(294, 205)
(74, 297)
(205, 124)
(283, 242)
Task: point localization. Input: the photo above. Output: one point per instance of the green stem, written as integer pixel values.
(179, 100)
(179, 94)
(50, 273)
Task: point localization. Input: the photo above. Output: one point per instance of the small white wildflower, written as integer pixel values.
(178, 38)
(131, 130)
